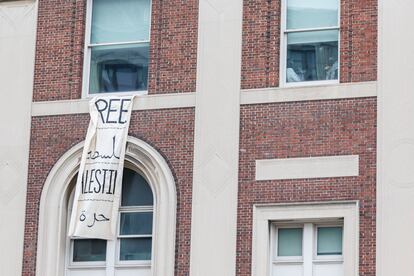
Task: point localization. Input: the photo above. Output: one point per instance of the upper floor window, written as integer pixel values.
(310, 41)
(117, 46)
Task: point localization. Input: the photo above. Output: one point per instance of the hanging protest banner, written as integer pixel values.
(99, 182)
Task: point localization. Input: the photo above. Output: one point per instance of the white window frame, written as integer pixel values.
(87, 55)
(326, 258)
(309, 255)
(113, 247)
(274, 250)
(264, 215)
(283, 50)
(141, 263)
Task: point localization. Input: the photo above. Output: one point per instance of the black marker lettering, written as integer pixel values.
(111, 111)
(101, 109)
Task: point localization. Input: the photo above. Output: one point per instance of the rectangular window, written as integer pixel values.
(290, 242)
(329, 241)
(307, 249)
(135, 235)
(117, 46)
(310, 35)
(89, 250)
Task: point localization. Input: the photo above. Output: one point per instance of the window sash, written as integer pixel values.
(285, 19)
(326, 258)
(131, 209)
(284, 31)
(310, 29)
(91, 264)
(118, 43)
(88, 54)
(103, 17)
(307, 240)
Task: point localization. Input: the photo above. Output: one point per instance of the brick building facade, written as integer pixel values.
(276, 122)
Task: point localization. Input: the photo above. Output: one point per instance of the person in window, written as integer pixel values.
(332, 72)
(291, 75)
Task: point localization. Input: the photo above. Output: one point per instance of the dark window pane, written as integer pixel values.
(119, 68)
(312, 56)
(136, 223)
(135, 249)
(135, 190)
(89, 250)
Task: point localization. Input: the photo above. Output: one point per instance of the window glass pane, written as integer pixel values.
(135, 249)
(89, 250)
(120, 20)
(119, 68)
(289, 242)
(136, 223)
(312, 56)
(135, 190)
(303, 14)
(329, 240)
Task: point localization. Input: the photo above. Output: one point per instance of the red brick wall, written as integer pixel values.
(59, 50)
(60, 44)
(302, 129)
(173, 52)
(171, 132)
(261, 39)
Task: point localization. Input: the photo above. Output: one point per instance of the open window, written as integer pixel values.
(117, 46)
(310, 42)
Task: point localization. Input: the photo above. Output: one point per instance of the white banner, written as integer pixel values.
(99, 183)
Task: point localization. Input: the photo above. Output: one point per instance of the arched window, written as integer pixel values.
(130, 253)
(145, 242)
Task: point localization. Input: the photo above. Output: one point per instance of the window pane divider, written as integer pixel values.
(137, 209)
(135, 236)
(118, 43)
(86, 265)
(132, 263)
(331, 261)
(307, 249)
(311, 29)
(288, 261)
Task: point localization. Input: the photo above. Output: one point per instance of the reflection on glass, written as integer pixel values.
(329, 240)
(119, 68)
(136, 223)
(135, 249)
(312, 14)
(135, 190)
(312, 56)
(89, 250)
(120, 21)
(289, 242)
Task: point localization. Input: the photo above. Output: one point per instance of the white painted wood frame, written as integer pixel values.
(264, 215)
